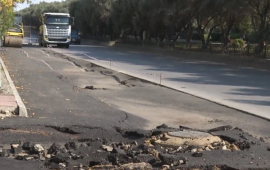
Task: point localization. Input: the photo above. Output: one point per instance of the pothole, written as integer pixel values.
(64, 130)
(161, 148)
(190, 141)
(93, 88)
(76, 88)
(61, 77)
(126, 83)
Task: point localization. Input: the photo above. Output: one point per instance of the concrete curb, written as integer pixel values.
(22, 108)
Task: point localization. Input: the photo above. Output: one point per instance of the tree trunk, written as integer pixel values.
(209, 35)
(226, 39)
(189, 35)
(260, 49)
(175, 39)
(201, 34)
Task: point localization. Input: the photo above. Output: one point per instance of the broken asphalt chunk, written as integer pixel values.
(137, 133)
(16, 148)
(27, 146)
(172, 159)
(162, 126)
(54, 149)
(148, 158)
(133, 166)
(221, 128)
(197, 154)
(38, 148)
(4, 152)
(242, 145)
(71, 146)
(107, 148)
(60, 158)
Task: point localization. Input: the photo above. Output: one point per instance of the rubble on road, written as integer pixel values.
(161, 148)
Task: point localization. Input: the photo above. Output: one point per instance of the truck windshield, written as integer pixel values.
(57, 20)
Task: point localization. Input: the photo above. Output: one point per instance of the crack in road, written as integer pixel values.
(5, 128)
(89, 127)
(125, 119)
(64, 130)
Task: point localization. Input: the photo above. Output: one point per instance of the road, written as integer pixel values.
(61, 109)
(240, 88)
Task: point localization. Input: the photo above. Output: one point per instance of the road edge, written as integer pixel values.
(22, 108)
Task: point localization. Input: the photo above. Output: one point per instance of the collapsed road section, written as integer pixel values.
(223, 148)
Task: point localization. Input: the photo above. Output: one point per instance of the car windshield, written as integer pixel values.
(57, 20)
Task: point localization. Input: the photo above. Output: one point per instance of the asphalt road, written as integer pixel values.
(241, 88)
(53, 88)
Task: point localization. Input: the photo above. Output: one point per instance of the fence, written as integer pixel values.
(29, 38)
(247, 49)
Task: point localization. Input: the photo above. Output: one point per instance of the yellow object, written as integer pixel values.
(14, 35)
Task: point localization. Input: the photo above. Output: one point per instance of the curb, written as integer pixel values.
(22, 108)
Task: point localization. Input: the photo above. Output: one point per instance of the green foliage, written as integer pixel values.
(7, 14)
(31, 15)
(236, 35)
(162, 19)
(238, 43)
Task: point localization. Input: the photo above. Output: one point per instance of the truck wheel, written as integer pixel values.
(39, 41)
(45, 45)
(67, 45)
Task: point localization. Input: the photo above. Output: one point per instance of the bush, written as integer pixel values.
(236, 35)
(238, 43)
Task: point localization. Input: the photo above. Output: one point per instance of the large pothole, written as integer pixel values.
(161, 148)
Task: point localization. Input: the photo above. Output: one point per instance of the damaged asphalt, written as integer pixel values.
(85, 116)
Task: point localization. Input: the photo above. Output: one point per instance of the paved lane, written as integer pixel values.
(240, 88)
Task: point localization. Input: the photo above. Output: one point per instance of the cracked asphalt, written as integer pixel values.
(61, 109)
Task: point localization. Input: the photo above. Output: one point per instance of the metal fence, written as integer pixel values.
(247, 49)
(28, 36)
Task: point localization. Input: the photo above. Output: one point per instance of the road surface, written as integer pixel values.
(62, 110)
(244, 89)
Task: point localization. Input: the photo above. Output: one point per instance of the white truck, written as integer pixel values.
(55, 29)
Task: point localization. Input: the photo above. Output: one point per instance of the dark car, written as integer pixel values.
(75, 38)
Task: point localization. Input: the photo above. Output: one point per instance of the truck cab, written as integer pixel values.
(55, 29)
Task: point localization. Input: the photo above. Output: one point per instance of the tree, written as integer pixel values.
(204, 20)
(260, 21)
(230, 13)
(7, 13)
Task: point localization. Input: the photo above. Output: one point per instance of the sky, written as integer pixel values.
(25, 5)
